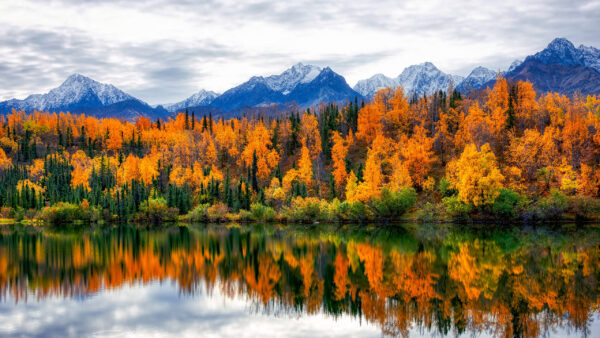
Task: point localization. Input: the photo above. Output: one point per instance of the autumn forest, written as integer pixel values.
(504, 153)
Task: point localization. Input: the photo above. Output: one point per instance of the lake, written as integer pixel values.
(300, 281)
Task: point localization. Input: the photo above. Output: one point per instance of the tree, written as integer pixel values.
(475, 175)
(418, 155)
(339, 150)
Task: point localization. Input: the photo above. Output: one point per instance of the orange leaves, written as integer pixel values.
(309, 134)
(476, 175)
(369, 124)
(418, 155)
(5, 162)
(305, 171)
(259, 144)
(82, 169)
(339, 150)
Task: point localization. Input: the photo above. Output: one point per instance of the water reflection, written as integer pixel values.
(432, 281)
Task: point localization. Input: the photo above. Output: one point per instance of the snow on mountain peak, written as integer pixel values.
(477, 79)
(201, 98)
(560, 51)
(424, 78)
(290, 78)
(514, 65)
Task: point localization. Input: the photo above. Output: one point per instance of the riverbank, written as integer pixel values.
(404, 206)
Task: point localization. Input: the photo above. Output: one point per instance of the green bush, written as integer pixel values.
(304, 209)
(547, 208)
(585, 207)
(64, 213)
(392, 204)
(156, 211)
(431, 212)
(507, 204)
(199, 213)
(356, 211)
(444, 188)
(262, 213)
(457, 208)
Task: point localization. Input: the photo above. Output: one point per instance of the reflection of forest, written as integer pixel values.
(506, 283)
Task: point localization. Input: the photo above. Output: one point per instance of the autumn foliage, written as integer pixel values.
(504, 137)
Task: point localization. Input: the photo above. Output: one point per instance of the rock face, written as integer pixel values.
(422, 79)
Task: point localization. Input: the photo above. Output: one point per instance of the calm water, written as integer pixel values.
(296, 281)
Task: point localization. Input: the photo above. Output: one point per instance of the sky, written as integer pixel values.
(163, 51)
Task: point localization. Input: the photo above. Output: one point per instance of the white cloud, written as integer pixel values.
(163, 51)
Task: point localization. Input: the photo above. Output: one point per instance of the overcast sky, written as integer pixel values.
(164, 51)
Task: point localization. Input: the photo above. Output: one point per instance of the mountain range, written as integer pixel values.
(560, 67)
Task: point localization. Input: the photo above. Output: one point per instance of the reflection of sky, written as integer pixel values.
(161, 310)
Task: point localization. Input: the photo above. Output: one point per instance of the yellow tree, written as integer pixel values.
(260, 145)
(305, 171)
(5, 162)
(339, 150)
(476, 176)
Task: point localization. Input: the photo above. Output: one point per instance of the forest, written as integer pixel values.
(502, 154)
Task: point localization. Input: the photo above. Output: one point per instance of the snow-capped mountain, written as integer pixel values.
(476, 79)
(302, 84)
(562, 51)
(425, 79)
(560, 68)
(421, 79)
(591, 56)
(76, 91)
(328, 86)
(80, 94)
(370, 86)
(289, 79)
(201, 98)
(514, 65)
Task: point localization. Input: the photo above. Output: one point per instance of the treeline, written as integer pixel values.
(506, 152)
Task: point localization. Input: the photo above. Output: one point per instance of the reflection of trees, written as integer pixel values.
(454, 286)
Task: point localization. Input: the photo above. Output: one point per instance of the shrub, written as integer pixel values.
(199, 213)
(507, 203)
(156, 211)
(547, 208)
(356, 211)
(392, 204)
(585, 207)
(64, 213)
(430, 212)
(444, 188)
(304, 209)
(457, 208)
(217, 212)
(262, 213)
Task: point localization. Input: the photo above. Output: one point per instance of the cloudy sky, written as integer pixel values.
(163, 51)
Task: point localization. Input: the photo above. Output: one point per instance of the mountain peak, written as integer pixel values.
(201, 98)
(77, 78)
(428, 65)
(560, 51)
(560, 43)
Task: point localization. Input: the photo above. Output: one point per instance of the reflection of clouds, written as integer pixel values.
(158, 309)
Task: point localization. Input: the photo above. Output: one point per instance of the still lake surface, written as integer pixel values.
(299, 281)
